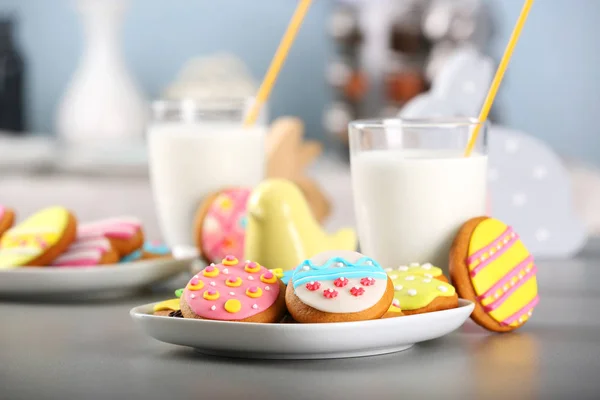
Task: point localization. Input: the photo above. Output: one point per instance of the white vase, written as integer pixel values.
(102, 104)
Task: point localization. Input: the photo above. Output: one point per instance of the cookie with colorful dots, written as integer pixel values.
(124, 233)
(220, 227)
(338, 286)
(416, 292)
(236, 291)
(7, 219)
(491, 266)
(39, 239)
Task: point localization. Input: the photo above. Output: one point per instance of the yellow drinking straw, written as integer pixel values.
(278, 60)
(489, 100)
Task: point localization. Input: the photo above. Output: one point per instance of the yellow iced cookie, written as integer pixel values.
(39, 239)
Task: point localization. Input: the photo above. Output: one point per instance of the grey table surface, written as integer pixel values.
(92, 350)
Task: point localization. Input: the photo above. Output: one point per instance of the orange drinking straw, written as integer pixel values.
(489, 100)
(278, 60)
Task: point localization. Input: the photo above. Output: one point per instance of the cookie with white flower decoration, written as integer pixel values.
(338, 286)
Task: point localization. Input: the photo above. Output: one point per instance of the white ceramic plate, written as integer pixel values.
(44, 281)
(302, 341)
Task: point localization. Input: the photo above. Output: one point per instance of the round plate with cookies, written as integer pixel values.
(64, 256)
(324, 307)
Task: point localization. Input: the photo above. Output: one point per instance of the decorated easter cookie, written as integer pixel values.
(234, 290)
(150, 250)
(124, 233)
(87, 252)
(416, 293)
(426, 270)
(38, 240)
(7, 219)
(220, 226)
(491, 266)
(338, 286)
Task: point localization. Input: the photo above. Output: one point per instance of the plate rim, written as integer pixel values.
(91, 269)
(137, 315)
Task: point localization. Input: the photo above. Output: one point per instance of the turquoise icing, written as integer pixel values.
(156, 248)
(287, 277)
(136, 255)
(363, 268)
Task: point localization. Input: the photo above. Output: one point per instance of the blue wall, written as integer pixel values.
(551, 89)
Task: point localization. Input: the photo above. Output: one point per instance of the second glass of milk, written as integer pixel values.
(194, 150)
(414, 188)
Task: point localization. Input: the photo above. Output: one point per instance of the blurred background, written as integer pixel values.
(551, 89)
(352, 59)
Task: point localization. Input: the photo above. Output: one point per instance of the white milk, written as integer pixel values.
(191, 161)
(409, 204)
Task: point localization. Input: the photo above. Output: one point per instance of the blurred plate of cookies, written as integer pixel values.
(51, 253)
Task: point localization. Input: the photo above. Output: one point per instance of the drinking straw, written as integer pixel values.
(278, 60)
(489, 100)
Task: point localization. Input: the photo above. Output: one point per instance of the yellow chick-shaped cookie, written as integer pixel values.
(282, 231)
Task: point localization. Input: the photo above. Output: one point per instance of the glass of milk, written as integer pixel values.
(195, 149)
(413, 188)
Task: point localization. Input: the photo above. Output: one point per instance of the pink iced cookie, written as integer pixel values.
(234, 291)
(221, 224)
(87, 252)
(124, 233)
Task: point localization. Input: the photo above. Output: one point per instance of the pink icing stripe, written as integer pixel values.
(507, 278)
(529, 306)
(113, 228)
(80, 257)
(100, 244)
(82, 262)
(498, 302)
(495, 256)
(1, 211)
(494, 244)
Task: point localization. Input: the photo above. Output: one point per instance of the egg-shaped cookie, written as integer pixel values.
(39, 239)
(338, 286)
(491, 266)
(416, 293)
(234, 290)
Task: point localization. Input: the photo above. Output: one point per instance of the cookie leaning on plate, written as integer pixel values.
(38, 240)
(492, 267)
(220, 224)
(338, 286)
